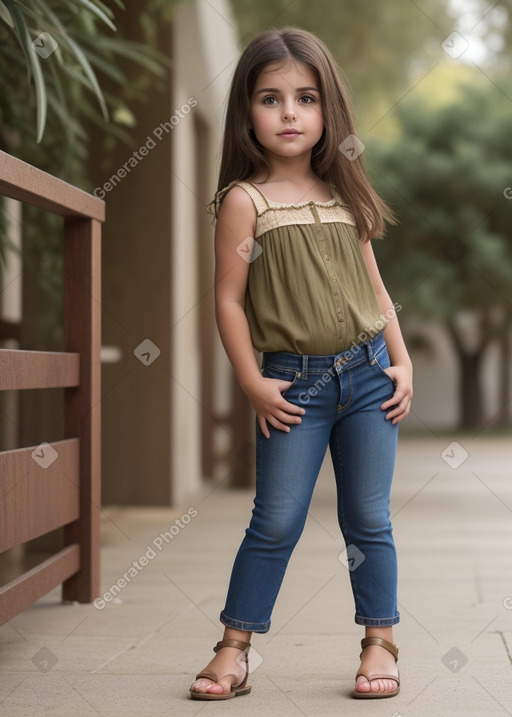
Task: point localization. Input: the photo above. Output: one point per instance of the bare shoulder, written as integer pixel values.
(236, 220)
(238, 207)
(236, 223)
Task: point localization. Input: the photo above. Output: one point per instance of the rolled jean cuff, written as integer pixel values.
(377, 621)
(241, 625)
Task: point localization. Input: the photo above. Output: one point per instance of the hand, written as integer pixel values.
(265, 396)
(401, 399)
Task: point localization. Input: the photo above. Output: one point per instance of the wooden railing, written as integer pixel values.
(57, 484)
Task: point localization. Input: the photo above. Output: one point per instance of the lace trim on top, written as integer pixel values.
(272, 214)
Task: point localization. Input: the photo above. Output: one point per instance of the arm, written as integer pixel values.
(401, 366)
(236, 223)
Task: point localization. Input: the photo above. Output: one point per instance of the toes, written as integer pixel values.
(382, 686)
(391, 685)
(362, 684)
(206, 686)
(223, 686)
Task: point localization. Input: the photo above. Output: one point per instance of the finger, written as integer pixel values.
(395, 399)
(397, 409)
(263, 426)
(292, 408)
(284, 385)
(399, 412)
(399, 418)
(286, 417)
(280, 426)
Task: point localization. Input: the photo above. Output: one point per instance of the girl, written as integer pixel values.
(296, 279)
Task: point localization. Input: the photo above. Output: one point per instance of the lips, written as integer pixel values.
(289, 132)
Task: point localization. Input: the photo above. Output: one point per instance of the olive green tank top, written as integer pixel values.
(309, 290)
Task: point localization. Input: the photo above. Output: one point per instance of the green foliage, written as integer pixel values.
(50, 55)
(445, 175)
(48, 103)
(374, 43)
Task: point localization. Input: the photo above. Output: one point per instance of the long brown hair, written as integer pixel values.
(243, 156)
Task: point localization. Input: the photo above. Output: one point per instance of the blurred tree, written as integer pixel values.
(50, 54)
(493, 21)
(377, 45)
(50, 92)
(450, 259)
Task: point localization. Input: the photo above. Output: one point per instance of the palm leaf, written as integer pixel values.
(89, 72)
(33, 64)
(152, 60)
(87, 4)
(5, 16)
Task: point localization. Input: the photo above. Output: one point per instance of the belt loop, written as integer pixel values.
(369, 350)
(304, 366)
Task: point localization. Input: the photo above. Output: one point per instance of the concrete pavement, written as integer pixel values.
(137, 653)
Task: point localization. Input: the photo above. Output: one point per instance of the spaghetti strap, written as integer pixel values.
(260, 201)
(257, 197)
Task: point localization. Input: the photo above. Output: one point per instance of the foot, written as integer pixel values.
(228, 661)
(377, 661)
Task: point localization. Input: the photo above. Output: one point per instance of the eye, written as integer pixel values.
(310, 99)
(269, 97)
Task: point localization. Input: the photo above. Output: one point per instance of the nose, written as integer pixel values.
(289, 110)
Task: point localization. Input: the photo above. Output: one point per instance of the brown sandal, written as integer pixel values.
(241, 689)
(393, 649)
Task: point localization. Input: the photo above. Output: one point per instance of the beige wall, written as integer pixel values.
(136, 256)
(205, 55)
(158, 268)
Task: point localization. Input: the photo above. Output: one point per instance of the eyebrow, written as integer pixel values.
(277, 91)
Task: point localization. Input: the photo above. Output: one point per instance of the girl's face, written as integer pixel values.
(287, 98)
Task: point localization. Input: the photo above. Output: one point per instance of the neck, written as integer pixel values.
(291, 169)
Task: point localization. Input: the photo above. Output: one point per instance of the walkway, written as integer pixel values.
(138, 655)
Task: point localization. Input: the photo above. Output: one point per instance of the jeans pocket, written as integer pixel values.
(382, 361)
(285, 374)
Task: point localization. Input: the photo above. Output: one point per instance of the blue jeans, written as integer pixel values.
(341, 395)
